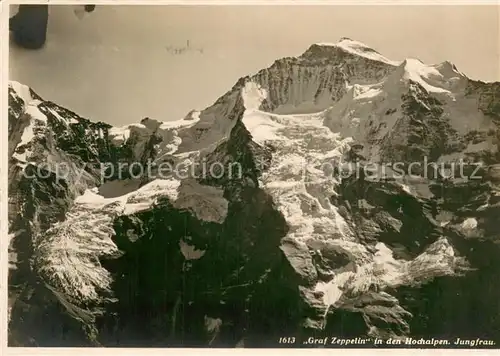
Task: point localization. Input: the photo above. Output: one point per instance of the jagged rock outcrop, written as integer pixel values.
(120, 236)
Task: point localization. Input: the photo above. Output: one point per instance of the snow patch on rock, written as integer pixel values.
(190, 252)
(205, 202)
(384, 271)
(469, 224)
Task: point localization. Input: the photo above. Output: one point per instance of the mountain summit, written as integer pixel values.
(107, 248)
(352, 47)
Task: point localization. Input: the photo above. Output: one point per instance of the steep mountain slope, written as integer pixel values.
(283, 238)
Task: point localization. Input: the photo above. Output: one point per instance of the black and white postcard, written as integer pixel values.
(257, 176)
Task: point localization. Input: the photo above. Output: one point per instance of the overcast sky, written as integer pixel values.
(119, 64)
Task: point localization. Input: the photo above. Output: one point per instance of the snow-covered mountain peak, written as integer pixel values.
(442, 78)
(23, 91)
(352, 47)
(445, 70)
(448, 69)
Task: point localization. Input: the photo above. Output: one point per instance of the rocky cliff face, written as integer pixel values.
(107, 248)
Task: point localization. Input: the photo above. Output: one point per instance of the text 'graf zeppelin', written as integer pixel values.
(403, 342)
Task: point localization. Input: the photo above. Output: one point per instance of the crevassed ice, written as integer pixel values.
(301, 191)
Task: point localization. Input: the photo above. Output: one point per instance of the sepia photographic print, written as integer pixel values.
(258, 176)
